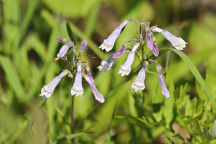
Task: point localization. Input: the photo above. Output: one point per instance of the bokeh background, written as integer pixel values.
(29, 29)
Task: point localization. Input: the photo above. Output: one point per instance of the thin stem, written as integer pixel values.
(167, 62)
(139, 23)
(2, 24)
(126, 42)
(143, 53)
(138, 57)
(72, 116)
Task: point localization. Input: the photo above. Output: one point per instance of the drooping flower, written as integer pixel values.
(77, 88)
(148, 37)
(164, 89)
(63, 51)
(139, 83)
(177, 42)
(125, 69)
(106, 65)
(98, 96)
(108, 43)
(48, 89)
(155, 48)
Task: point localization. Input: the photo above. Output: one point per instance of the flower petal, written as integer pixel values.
(177, 42)
(164, 89)
(106, 65)
(48, 89)
(126, 67)
(108, 43)
(63, 51)
(77, 88)
(139, 83)
(98, 96)
(83, 45)
(155, 49)
(148, 37)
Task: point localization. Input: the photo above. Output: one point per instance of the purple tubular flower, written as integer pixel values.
(48, 89)
(177, 42)
(63, 51)
(83, 45)
(148, 38)
(164, 89)
(126, 67)
(139, 83)
(98, 96)
(106, 65)
(77, 88)
(108, 43)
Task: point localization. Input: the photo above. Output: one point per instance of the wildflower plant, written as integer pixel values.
(77, 67)
(145, 38)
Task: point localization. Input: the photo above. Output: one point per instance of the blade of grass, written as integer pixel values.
(12, 78)
(25, 23)
(91, 44)
(196, 74)
(92, 19)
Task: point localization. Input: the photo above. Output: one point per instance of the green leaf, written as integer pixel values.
(196, 74)
(70, 33)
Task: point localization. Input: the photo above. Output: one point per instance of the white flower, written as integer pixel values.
(77, 88)
(63, 51)
(139, 83)
(125, 69)
(48, 89)
(177, 42)
(108, 43)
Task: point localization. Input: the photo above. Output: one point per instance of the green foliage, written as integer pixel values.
(26, 64)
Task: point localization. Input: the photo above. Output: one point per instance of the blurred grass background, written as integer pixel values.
(29, 29)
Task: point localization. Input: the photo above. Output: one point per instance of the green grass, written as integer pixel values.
(26, 64)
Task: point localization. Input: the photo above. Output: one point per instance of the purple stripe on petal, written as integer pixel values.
(119, 52)
(155, 49)
(148, 37)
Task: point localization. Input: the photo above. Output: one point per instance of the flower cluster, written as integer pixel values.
(82, 71)
(125, 69)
